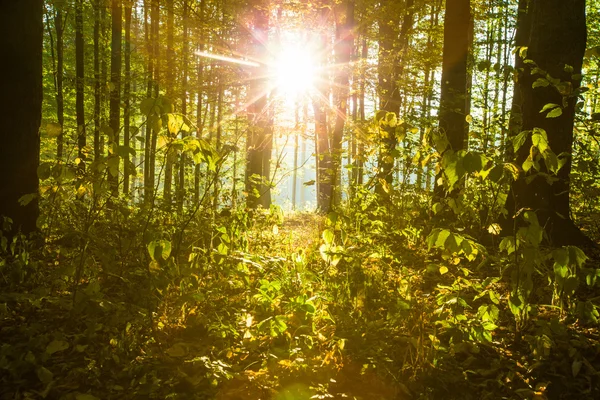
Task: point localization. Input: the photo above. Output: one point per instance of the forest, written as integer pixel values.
(300, 199)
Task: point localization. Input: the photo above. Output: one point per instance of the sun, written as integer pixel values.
(294, 71)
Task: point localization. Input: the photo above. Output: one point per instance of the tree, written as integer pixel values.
(454, 99)
(79, 81)
(260, 139)
(549, 88)
(115, 93)
(344, 43)
(21, 30)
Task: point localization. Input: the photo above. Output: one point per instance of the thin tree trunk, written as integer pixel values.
(60, 102)
(97, 83)
(79, 82)
(184, 98)
(115, 93)
(170, 87)
(127, 100)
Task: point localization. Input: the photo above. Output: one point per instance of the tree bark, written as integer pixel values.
(79, 82)
(21, 33)
(60, 101)
(127, 99)
(344, 43)
(115, 93)
(454, 99)
(260, 139)
(556, 46)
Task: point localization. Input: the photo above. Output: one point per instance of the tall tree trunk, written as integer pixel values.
(200, 103)
(260, 139)
(184, 102)
(557, 42)
(127, 99)
(79, 82)
(324, 157)
(395, 47)
(21, 38)
(170, 87)
(389, 94)
(115, 93)
(97, 83)
(60, 101)
(454, 99)
(521, 40)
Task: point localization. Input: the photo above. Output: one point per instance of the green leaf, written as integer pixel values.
(494, 297)
(44, 170)
(56, 346)
(561, 256)
(496, 173)
(540, 82)
(472, 162)
(53, 129)
(443, 235)
(152, 249)
(44, 375)
(443, 270)
(166, 249)
(549, 106)
(557, 112)
(540, 139)
(577, 256)
(519, 140)
(328, 236)
(147, 106)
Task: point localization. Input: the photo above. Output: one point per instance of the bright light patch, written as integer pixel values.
(294, 71)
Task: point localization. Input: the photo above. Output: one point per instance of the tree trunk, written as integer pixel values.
(115, 92)
(557, 42)
(184, 99)
(97, 84)
(521, 40)
(344, 43)
(79, 82)
(21, 36)
(260, 139)
(127, 99)
(60, 101)
(454, 99)
(324, 158)
(170, 87)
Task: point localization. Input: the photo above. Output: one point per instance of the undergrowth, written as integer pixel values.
(373, 301)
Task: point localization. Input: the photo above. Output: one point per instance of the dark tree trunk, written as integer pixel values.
(454, 96)
(344, 43)
(170, 87)
(324, 157)
(21, 32)
(200, 103)
(97, 83)
(127, 98)
(60, 101)
(454, 99)
(521, 40)
(184, 103)
(79, 81)
(394, 47)
(557, 42)
(389, 94)
(115, 93)
(260, 140)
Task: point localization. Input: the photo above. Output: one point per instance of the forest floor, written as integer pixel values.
(292, 308)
